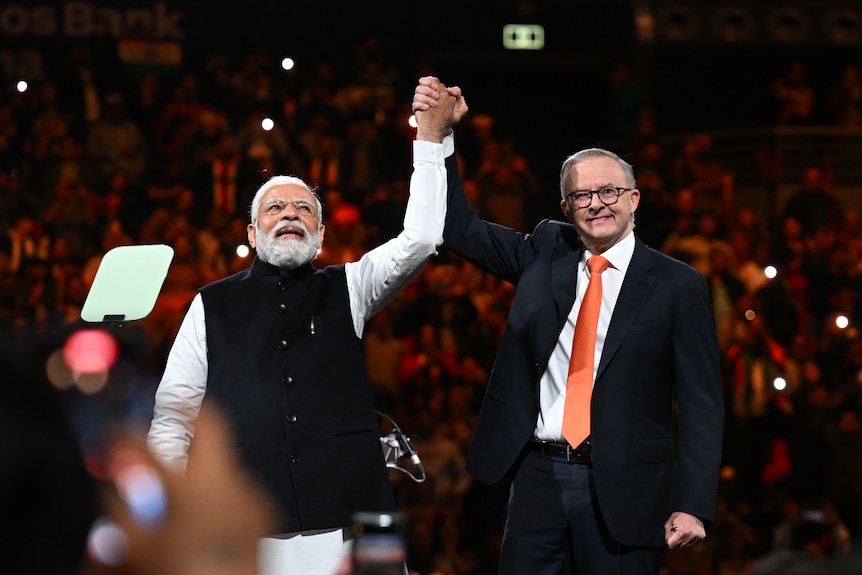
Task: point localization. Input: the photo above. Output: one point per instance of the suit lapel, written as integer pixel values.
(636, 286)
(564, 275)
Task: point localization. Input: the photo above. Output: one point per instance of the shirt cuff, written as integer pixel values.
(432, 152)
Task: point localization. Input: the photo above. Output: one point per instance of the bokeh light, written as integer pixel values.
(90, 351)
(22, 86)
(141, 488)
(242, 251)
(267, 124)
(107, 543)
(287, 63)
(91, 383)
(770, 272)
(58, 371)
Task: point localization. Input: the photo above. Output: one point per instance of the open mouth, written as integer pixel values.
(290, 232)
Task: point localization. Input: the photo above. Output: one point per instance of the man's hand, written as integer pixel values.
(207, 521)
(683, 531)
(437, 108)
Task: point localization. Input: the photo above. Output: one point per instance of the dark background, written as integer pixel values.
(703, 65)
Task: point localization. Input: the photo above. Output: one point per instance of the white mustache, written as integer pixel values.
(297, 225)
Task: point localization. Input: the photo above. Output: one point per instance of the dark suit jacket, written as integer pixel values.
(660, 362)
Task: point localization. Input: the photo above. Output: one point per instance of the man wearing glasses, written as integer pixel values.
(278, 348)
(600, 487)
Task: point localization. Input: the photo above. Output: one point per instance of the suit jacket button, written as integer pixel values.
(291, 418)
(294, 458)
(281, 308)
(282, 344)
(287, 380)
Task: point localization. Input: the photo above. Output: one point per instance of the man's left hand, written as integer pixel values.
(683, 531)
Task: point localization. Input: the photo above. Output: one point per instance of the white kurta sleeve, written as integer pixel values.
(378, 276)
(181, 391)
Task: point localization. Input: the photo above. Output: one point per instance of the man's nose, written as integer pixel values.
(596, 202)
(290, 211)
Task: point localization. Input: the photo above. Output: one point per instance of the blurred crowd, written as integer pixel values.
(90, 163)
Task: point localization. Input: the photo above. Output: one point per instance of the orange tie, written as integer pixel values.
(579, 386)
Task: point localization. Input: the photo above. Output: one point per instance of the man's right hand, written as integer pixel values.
(437, 108)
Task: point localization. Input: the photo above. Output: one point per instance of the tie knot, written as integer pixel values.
(597, 264)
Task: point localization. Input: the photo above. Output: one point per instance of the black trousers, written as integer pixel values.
(555, 527)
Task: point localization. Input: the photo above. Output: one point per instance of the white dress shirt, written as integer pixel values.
(552, 385)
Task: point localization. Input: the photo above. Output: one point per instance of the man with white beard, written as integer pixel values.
(278, 349)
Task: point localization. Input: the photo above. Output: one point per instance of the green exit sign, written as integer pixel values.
(523, 37)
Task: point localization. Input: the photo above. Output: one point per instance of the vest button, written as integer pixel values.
(282, 286)
(291, 418)
(281, 308)
(287, 380)
(281, 344)
(294, 458)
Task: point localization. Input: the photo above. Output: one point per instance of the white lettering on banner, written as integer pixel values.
(108, 22)
(14, 20)
(139, 20)
(78, 17)
(167, 25)
(44, 21)
(86, 20)
(83, 19)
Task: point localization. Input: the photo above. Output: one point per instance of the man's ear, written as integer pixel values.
(252, 235)
(564, 205)
(635, 195)
(321, 229)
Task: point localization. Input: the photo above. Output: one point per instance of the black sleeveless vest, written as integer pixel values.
(286, 367)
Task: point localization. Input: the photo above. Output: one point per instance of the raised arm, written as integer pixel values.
(495, 249)
(378, 276)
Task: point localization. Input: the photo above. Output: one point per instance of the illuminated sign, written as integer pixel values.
(523, 37)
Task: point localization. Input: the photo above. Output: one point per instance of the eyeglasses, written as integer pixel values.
(609, 196)
(277, 205)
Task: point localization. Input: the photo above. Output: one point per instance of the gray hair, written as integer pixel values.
(280, 181)
(587, 154)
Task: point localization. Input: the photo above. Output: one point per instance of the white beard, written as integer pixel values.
(287, 253)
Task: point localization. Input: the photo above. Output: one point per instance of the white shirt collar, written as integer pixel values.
(619, 255)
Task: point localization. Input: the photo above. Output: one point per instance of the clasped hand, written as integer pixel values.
(437, 108)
